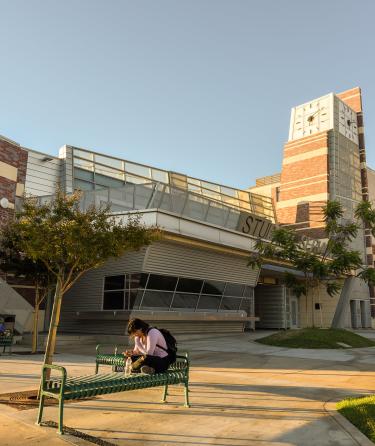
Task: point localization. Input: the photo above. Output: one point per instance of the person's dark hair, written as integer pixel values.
(137, 324)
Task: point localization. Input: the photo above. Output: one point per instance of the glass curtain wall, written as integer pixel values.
(156, 292)
(93, 171)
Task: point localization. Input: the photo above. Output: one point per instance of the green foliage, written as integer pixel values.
(332, 211)
(361, 413)
(333, 288)
(68, 241)
(365, 212)
(316, 338)
(368, 275)
(326, 268)
(14, 261)
(296, 286)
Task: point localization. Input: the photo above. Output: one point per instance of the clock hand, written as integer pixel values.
(311, 117)
(319, 109)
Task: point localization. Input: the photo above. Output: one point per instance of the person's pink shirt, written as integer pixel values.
(154, 338)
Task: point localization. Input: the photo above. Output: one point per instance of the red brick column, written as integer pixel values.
(304, 184)
(13, 164)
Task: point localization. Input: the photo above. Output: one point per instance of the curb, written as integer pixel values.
(357, 435)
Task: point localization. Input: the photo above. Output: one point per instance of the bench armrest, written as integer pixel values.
(99, 346)
(182, 359)
(59, 368)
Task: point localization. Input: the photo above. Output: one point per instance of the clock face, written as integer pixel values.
(348, 125)
(311, 118)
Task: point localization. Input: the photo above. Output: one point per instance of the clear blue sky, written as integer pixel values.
(203, 87)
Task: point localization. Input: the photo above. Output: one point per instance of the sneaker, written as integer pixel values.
(147, 370)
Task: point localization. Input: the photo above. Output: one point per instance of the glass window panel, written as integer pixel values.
(157, 299)
(113, 300)
(135, 180)
(83, 164)
(143, 280)
(159, 175)
(109, 172)
(246, 305)
(137, 280)
(179, 184)
(137, 169)
(194, 181)
(100, 187)
(211, 194)
(213, 287)
(83, 185)
(182, 300)
(248, 291)
(230, 200)
(234, 289)
(83, 154)
(194, 188)
(229, 191)
(158, 282)
(118, 164)
(114, 282)
(210, 186)
(131, 299)
(137, 296)
(230, 303)
(209, 302)
(244, 196)
(189, 285)
(108, 181)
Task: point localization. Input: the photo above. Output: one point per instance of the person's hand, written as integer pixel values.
(127, 352)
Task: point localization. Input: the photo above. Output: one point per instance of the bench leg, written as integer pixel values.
(165, 393)
(187, 394)
(40, 411)
(96, 368)
(61, 416)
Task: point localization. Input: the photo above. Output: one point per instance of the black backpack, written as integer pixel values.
(171, 342)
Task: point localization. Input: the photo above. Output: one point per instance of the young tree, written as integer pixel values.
(327, 268)
(13, 261)
(70, 242)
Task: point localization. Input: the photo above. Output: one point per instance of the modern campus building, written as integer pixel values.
(197, 277)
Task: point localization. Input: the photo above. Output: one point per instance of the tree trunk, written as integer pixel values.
(306, 303)
(34, 347)
(55, 319)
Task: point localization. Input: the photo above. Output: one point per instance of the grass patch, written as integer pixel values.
(316, 338)
(361, 413)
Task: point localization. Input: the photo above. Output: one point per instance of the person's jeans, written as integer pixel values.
(157, 363)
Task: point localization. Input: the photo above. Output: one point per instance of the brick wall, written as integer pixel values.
(13, 164)
(304, 184)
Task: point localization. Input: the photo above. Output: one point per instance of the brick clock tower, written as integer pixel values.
(324, 159)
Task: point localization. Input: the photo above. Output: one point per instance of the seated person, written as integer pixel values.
(2, 326)
(150, 353)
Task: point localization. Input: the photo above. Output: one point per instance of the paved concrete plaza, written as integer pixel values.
(242, 393)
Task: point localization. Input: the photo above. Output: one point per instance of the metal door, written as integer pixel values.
(294, 313)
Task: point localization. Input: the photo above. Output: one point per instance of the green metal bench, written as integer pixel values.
(65, 388)
(6, 340)
(114, 359)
